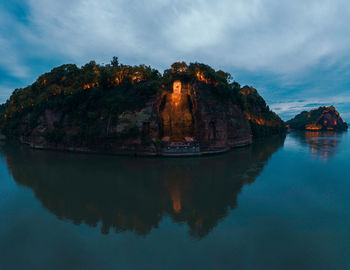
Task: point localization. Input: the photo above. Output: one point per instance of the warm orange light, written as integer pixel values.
(261, 121)
(90, 85)
(86, 86)
(200, 77)
(176, 198)
(176, 115)
(177, 87)
(313, 126)
(247, 91)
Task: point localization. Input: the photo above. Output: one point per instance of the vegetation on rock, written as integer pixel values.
(322, 118)
(83, 95)
(94, 103)
(263, 121)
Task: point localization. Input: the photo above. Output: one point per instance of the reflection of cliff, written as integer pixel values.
(322, 144)
(130, 194)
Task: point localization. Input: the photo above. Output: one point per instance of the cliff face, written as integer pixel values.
(220, 124)
(195, 112)
(262, 120)
(322, 118)
(121, 109)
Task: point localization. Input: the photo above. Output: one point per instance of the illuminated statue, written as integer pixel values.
(177, 114)
(177, 87)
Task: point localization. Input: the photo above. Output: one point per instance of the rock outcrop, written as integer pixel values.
(196, 113)
(263, 121)
(121, 109)
(322, 118)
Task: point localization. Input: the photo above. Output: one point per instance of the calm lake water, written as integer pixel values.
(282, 203)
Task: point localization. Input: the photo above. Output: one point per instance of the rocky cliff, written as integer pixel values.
(122, 109)
(263, 121)
(322, 118)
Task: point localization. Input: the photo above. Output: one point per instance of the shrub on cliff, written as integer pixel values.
(78, 92)
(263, 121)
(88, 100)
(322, 118)
(217, 83)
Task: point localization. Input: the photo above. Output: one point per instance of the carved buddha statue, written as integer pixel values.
(177, 115)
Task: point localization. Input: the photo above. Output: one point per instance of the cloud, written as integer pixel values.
(278, 36)
(10, 59)
(288, 109)
(292, 50)
(281, 37)
(5, 93)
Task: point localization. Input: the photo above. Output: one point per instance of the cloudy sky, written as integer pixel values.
(296, 53)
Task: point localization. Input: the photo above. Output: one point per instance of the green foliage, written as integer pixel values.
(224, 75)
(315, 116)
(158, 142)
(215, 84)
(261, 131)
(179, 67)
(84, 94)
(115, 62)
(2, 116)
(300, 120)
(2, 109)
(304, 118)
(263, 121)
(95, 93)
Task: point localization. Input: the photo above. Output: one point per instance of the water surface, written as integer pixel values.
(280, 204)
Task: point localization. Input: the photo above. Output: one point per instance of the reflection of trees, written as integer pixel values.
(133, 194)
(323, 144)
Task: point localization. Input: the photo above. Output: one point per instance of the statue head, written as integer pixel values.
(177, 87)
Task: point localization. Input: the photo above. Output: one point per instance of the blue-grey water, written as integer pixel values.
(282, 203)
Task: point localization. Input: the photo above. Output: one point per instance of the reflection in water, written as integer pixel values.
(133, 194)
(323, 144)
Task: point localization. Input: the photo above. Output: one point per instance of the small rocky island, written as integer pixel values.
(320, 119)
(119, 109)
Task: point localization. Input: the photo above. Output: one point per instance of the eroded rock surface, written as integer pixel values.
(322, 118)
(121, 109)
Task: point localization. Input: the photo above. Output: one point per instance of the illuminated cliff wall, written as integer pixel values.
(191, 109)
(263, 121)
(176, 113)
(121, 109)
(322, 118)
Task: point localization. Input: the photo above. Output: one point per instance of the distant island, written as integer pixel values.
(120, 109)
(322, 118)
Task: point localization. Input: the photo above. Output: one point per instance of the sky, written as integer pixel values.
(295, 53)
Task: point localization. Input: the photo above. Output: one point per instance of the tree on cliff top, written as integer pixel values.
(320, 118)
(115, 62)
(106, 91)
